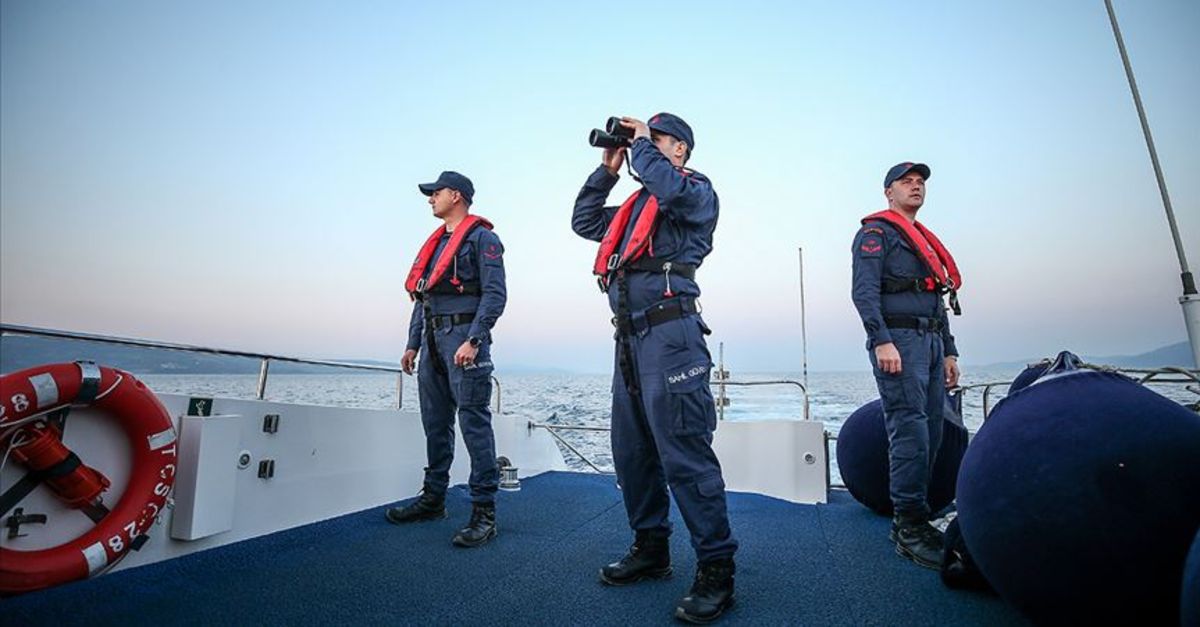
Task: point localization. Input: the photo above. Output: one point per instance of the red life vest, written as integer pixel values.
(607, 259)
(929, 248)
(415, 284)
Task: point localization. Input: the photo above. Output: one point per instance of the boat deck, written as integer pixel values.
(798, 564)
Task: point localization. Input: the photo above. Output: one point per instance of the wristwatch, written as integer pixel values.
(475, 342)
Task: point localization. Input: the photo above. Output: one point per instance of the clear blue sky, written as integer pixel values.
(243, 175)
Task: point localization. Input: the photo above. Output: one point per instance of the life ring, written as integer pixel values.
(29, 435)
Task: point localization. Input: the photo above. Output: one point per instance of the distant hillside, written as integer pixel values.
(18, 352)
(1179, 354)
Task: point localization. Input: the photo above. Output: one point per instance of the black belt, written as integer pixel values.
(665, 311)
(449, 320)
(913, 322)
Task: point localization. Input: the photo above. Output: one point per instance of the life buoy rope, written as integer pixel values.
(29, 435)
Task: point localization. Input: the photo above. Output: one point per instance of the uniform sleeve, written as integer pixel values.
(416, 326)
(687, 199)
(493, 289)
(590, 218)
(868, 253)
(948, 347)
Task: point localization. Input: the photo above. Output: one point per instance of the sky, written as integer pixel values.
(243, 175)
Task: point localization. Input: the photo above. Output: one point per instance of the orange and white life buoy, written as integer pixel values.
(27, 399)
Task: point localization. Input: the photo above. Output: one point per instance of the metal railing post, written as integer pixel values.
(262, 379)
(496, 382)
(400, 391)
(721, 376)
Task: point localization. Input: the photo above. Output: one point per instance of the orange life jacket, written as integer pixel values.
(417, 286)
(937, 259)
(607, 259)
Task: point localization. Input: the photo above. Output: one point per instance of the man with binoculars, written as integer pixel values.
(663, 415)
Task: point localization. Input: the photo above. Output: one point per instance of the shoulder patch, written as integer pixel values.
(870, 245)
(491, 250)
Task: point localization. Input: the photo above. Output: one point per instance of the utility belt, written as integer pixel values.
(665, 311)
(919, 323)
(449, 320)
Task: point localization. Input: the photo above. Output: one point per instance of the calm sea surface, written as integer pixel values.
(572, 399)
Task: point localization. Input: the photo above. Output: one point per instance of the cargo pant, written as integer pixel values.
(663, 436)
(467, 392)
(913, 403)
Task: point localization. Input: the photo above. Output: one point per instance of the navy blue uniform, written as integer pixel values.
(663, 435)
(443, 390)
(914, 398)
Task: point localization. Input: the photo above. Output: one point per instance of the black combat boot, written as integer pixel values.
(649, 558)
(917, 540)
(480, 529)
(425, 507)
(896, 527)
(711, 593)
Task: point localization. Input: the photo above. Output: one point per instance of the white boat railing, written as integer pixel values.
(720, 378)
(553, 429)
(265, 359)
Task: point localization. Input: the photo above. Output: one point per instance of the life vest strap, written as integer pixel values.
(656, 265)
(923, 284)
(469, 288)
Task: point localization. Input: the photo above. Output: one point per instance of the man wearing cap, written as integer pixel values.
(457, 282)
(663, 415)
(901, 270)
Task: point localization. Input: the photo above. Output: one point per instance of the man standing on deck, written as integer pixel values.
(457, 283)
(901, 270)
(663, 415)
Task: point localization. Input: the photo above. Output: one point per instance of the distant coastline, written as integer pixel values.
(1178, 354)
(18, 352)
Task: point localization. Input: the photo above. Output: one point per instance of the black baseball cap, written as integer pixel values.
(451, 180)
(900, 169)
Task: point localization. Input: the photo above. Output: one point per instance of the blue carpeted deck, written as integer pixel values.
(798, 565)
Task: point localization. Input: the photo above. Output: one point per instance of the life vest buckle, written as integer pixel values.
(421, 285)
(954, 306)
(613, 261)
(602, 283)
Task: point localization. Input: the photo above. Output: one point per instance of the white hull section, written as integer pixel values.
(785, 459)
(328, 461)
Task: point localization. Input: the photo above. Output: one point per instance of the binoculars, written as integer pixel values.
(613, 136)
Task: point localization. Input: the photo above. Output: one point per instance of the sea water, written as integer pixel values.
(585, 399)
